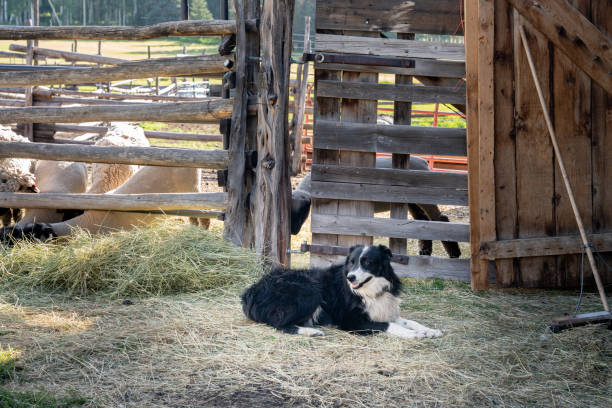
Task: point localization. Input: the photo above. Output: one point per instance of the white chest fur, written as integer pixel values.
(384, 308)
(381, 306)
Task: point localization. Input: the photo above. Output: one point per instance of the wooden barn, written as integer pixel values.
(522, 230)
(521, 218)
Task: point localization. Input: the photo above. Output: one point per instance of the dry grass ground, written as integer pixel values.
(130, 50)
(193, 350)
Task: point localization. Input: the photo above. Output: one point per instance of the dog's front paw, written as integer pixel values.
(431, 333)
(310, 332)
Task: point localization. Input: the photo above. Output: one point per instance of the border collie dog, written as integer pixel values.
(360, 295)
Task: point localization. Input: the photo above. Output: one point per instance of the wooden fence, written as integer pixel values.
(256, 203)
(345, 184)
(521, 217)
(210, 109)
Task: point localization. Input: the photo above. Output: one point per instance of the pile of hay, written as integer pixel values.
(166, 258)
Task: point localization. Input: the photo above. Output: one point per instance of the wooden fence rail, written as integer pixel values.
(151, 156)
(129, 70)
(172, 28)
(118, 202)
(210, 109)
(198, 137)
(68, 56)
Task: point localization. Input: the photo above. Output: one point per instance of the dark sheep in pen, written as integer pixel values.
(301, 201)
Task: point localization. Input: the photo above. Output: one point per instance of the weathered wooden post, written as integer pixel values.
(184, 9)
(239, 222)
(300, 105)
(273, 189)
(31, 60)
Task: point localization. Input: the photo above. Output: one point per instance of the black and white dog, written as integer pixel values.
(361, 295)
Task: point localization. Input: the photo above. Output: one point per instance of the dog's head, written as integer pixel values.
(369, 272)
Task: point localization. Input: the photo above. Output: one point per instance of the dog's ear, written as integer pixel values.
(350, 251)
(385, 251)
(354, 247)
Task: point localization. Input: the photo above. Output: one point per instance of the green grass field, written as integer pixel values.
(129, 50)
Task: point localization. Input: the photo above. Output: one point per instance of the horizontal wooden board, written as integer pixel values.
(149, 156)
(422, 267)
(391, 177)
(422, 67)
(526, 247)
(121, 202)
(413, 266)
(390, 227)
(389, 139)
(388, 47)
(403, 93)
(211, 109)
(418, 16)
(388, 194)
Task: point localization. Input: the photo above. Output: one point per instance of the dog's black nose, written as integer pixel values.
(351, 278)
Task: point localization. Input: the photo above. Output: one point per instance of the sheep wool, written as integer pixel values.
(15, 174)
(107, 177)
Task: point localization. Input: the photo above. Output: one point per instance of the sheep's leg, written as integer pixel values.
(200, 222)
(434, 214)
(417, 213)
(5, 216)
(17, 215)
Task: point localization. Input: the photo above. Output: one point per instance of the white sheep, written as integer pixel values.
(148, 179)
(106, 177)
(15, 175)
(69, 177)
(56, 177)
(110, 179)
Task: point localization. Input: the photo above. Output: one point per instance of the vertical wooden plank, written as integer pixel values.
(363, 111)
(30, 60)
(273, 190)
(402, 115)
(252, 49)
(534, 154)
(505, 147)
(325, 109)
(486, 129)
(300, 104)
(572, 122)
(471, 69)
(235, 212)
(601, 114)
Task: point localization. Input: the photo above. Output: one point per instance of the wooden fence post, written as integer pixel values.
(30, 60)
(239, 221)
(402, 115)
(273, 189)
(299, 100)
(235, 214)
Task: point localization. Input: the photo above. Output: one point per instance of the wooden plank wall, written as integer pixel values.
(345, 184)
(528, 195)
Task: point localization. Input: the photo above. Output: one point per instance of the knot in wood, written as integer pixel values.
(268, 162)
(272, 98)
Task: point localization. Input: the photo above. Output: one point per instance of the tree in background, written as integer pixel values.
(198, 10)
(102, 12)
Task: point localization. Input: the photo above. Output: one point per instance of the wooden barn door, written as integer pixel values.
(370, 56)
(522, 221)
